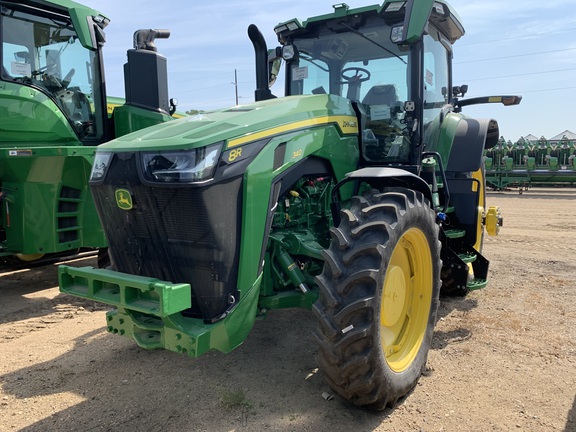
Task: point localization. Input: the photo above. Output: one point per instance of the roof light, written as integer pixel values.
(395, 7)
(280, 28)
(293, 25)
(439, 8)
(340, 6)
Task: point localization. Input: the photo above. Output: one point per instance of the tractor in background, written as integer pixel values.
(54, 112)
(360, 195)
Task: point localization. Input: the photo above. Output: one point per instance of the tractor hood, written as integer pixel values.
(241, 124)
(158, 228)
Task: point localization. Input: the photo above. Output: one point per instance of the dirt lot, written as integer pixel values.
(503, 358)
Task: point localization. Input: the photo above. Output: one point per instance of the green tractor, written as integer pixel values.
(359, 195)
(53, 114)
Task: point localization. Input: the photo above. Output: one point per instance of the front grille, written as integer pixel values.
(178, 233)
(177, 223)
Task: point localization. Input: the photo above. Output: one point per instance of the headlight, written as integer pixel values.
(181, 165)
(101, 164)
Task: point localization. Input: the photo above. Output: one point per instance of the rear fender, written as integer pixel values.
(470, 139)
(465, 173)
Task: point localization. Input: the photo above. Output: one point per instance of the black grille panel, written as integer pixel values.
(177, 224)
(178, 233)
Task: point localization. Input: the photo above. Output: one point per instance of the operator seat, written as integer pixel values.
(382, 94)
(380, 134)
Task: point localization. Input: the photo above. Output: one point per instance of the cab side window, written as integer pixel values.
(435, 75)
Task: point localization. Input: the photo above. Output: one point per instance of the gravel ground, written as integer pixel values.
(503, 358)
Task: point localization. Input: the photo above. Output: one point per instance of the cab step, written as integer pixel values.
(455, 233)
(468, 257)
(449, 209)
(476, 284)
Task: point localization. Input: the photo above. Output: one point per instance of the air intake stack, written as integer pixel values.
(145, 73)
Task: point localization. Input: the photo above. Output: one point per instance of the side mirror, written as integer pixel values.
(511, 100)
(504, 100)
(22, 56)
(275, 57)
(273, 70)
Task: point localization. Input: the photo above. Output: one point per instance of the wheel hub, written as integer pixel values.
(394, 296)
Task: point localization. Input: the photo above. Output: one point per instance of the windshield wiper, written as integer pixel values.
(359, 33)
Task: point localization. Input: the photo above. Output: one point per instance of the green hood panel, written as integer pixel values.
(241, 124)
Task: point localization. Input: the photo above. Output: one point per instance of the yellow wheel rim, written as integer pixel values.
(29, 257)
(406, 298)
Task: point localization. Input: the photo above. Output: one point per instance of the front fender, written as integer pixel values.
(379, 177)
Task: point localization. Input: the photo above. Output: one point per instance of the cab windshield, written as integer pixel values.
(364, 66)
(44, 52)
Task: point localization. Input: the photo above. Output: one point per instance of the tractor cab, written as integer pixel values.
(397, 86)
(46, 51)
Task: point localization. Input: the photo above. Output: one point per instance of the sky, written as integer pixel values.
(525, 48)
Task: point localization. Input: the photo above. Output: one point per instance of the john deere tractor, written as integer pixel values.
(359, 195)
(54, 112)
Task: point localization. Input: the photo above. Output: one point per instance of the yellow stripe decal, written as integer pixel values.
(347, 124)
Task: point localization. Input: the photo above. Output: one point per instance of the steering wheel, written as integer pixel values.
(52, 82)
(357, 77)
(41, 70)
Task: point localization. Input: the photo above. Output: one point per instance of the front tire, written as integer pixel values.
(378, 297)
(104, 261)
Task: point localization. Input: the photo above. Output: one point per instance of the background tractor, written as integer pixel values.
(359, 194)
(54, 112)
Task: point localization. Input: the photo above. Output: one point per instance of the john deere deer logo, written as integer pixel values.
(123, 199)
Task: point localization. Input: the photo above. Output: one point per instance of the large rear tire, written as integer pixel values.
(378, 297)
